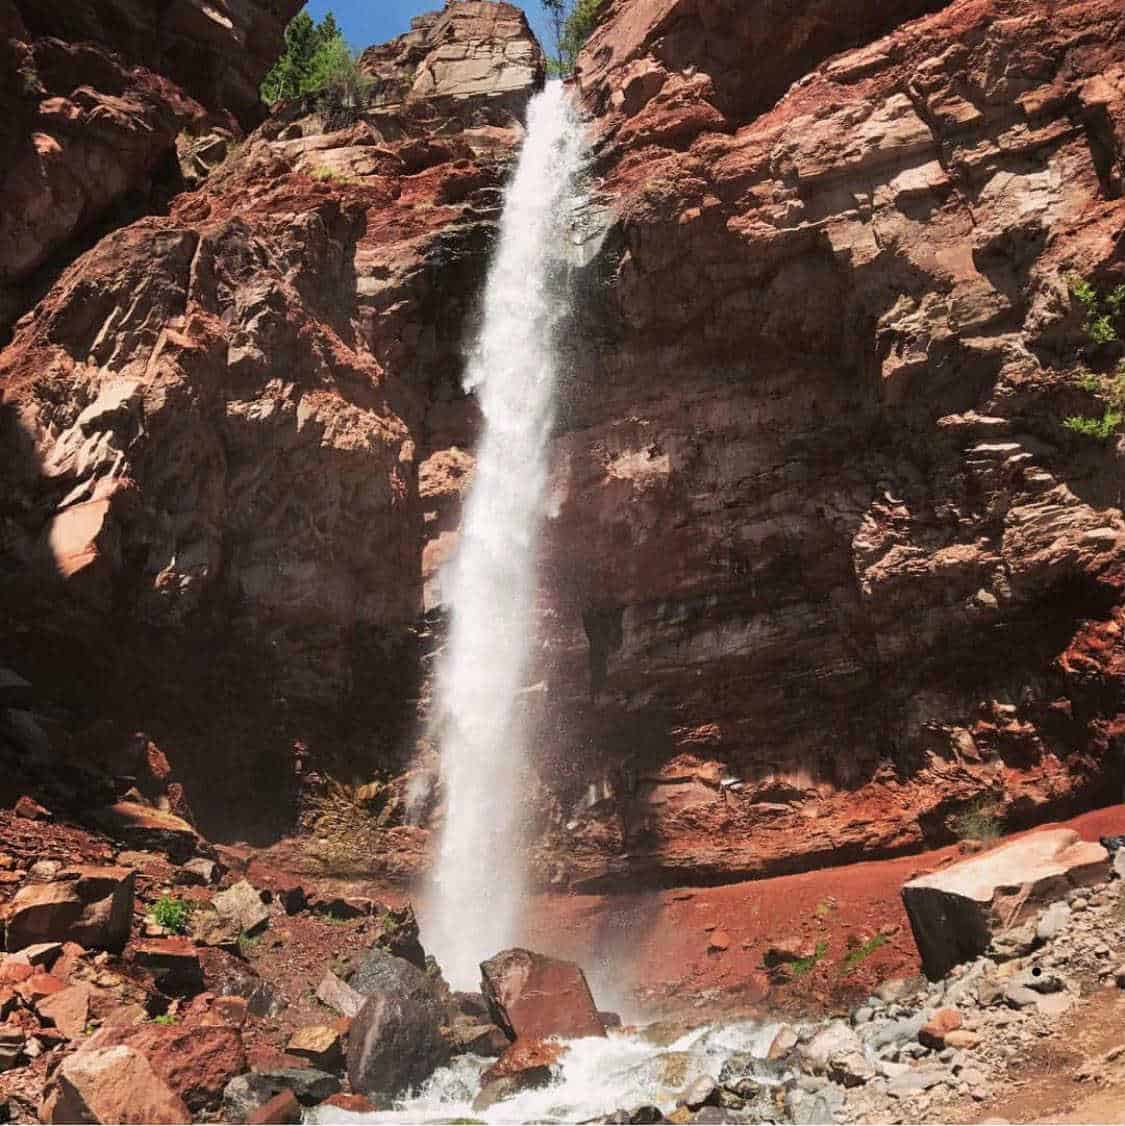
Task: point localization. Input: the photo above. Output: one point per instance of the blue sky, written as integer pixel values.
(374, 21)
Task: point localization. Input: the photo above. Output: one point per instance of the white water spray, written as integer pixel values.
(474, 903)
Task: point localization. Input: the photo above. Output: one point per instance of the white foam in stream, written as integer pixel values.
(594, 1077)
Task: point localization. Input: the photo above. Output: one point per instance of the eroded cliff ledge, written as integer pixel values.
(823, 566)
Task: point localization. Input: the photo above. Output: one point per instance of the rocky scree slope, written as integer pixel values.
(822, 567)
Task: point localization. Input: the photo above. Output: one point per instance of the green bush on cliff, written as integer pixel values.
(317, 59)
(1110, 390)
(572, 22)
(1103, 311)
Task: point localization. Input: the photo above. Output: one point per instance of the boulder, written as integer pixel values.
(68, 1010)
(338, 995)
(242, 908)
(246, 1093)
(395, 1041)
(111, 1085)
(173, 963)
(196, 1062)
(88, 905)
(533, 997)
(142, 827)
(525, 1065)
(954, 912)
(318, 1044)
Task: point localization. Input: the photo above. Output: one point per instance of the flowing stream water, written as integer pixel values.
(594, 1077)
(472, 910)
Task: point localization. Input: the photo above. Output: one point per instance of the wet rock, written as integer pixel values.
(265, 1001)
(111, 1085)
(395, 1041)
(338, 995)
(318, 1044)
(245, 1093)
(525, 1065)
(534, 997)
(88, 905)
(478, 1039)
(283, 1108)
(954, 912)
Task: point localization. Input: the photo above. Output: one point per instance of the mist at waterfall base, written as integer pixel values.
(472, 908)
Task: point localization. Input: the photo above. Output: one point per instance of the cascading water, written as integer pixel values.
(472, 911)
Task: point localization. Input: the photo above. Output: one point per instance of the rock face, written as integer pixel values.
(533, 997)
(395, 1040)
(823, 563)
(471, 49)
(237, 459)
(88, 905)
(954, 913)
(92, 99)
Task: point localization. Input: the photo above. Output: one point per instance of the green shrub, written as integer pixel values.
(803, 965)
(171, 914)
(864, 950)
(1101, 429)
(1102, 311)
(980, 820)
(165, 1019)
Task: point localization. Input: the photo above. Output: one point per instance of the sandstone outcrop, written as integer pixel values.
(92, 98)
(955, 912)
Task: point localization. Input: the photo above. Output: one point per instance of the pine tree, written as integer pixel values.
(317, 57)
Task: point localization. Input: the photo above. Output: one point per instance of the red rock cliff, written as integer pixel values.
(823, 565)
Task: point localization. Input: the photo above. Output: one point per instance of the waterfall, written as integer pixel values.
(473, 907)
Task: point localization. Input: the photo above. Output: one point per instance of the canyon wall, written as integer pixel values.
(822, 565)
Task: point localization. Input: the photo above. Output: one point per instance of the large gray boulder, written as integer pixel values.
(395, 1040)
(954, 913)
